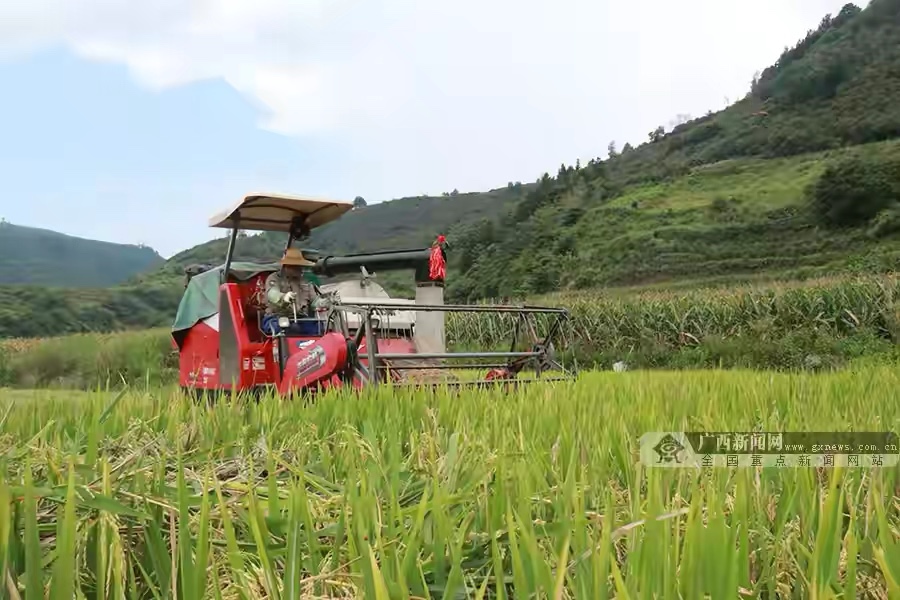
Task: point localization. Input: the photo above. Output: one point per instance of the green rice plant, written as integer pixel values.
(89, 360)
(443, 493)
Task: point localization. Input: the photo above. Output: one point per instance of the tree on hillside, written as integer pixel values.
(680, 119)
(791, 80)
(611, 149)
(359, 202)
(854, 190)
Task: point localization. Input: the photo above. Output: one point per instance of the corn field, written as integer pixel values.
(678, 319)
(443, 494)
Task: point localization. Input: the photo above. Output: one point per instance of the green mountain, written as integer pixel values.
(800, 178)
(730, 194)
(40, 257)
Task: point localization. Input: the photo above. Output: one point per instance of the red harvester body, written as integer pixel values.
(350, 341)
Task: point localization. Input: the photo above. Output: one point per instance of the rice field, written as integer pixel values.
(415, 494)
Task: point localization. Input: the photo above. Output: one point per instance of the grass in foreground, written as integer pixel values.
(417, 495)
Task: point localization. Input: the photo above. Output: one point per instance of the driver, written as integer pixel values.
(286, 289)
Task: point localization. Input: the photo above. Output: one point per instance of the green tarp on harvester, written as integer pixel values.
(201, 298)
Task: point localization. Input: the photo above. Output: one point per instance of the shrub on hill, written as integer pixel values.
(886, 223)
(853, 190)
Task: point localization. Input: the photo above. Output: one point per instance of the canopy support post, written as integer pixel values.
(230, 253)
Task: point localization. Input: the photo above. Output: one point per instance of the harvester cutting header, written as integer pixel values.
(245, 326)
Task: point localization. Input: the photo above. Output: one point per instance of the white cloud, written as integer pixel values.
(432, 95)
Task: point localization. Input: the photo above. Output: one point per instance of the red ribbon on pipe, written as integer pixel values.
(437, 262)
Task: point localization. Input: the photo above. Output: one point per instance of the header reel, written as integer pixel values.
(516, 346)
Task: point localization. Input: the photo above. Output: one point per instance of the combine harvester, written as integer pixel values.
(358, 335)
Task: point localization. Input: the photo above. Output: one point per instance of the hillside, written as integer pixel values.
(837, 86)
(31, 256)
(725, 195)
(801, 178)
(733, 220)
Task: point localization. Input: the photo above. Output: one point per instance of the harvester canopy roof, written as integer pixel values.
(276, 212)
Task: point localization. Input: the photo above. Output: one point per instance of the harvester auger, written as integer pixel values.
(358, 335)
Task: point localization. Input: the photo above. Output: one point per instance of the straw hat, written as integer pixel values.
(294, 258)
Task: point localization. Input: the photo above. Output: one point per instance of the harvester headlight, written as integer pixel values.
(284, 322)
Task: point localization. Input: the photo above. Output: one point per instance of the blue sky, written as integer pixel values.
(134, 122)
(89, 153)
